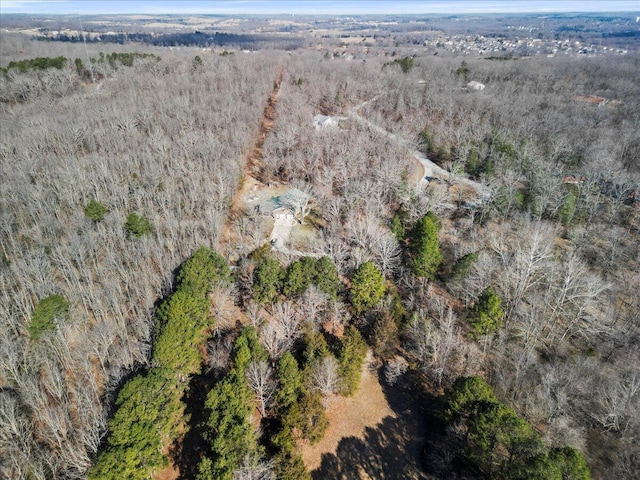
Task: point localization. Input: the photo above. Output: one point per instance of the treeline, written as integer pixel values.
(43, 63)
(284, 369)
(125, 59)
(271, 280)
(149, 408)
(194, 39)
(113, 60)
(40, 63)
(18, 89)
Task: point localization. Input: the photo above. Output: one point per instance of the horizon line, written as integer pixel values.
(314, 7)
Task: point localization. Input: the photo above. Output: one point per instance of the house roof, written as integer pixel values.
(293, 199)
(323, 120)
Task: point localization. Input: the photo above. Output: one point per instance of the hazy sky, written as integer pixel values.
(333, 7)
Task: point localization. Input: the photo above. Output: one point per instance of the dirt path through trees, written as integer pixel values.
(252, 168)
(430, 169)
(253, 162)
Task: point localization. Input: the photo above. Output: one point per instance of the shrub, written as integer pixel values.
(95, 210)
(45, 314)
(486, 316)
(137, 226)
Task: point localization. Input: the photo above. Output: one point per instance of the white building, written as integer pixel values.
(477, 86)
(324, 121)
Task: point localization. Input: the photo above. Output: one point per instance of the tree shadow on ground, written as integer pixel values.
(187, 451)
(395, 448)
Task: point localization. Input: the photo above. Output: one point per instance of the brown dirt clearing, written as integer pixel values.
(349, 417)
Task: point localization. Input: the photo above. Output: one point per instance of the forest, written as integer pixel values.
(472, 254)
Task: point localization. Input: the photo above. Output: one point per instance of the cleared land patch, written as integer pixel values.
(350, 416)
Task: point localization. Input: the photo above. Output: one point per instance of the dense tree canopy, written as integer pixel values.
(150, 406)
(326, 276)
(204, 269)
(267, 280)
(308, 271)
(502, 444)
(230, 434)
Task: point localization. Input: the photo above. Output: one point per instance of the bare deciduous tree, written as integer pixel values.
(260, 378)
(394, 369)
(288, 319)
(387, 254)
(325, 378)
(254, 468)
(222, 306)
(526, 265)
(314, 304)
(440, 348)
(619, 401)
(219, 351)
(273, 339)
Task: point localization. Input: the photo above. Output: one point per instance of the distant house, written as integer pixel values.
(292, 205)
(477, 86)
(324, 121)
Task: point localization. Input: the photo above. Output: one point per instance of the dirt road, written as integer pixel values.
(431, 170)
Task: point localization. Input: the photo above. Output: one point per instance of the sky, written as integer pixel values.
(332, 7)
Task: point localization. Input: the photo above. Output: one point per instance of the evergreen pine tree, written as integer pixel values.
(367, 287)
(424, 250)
